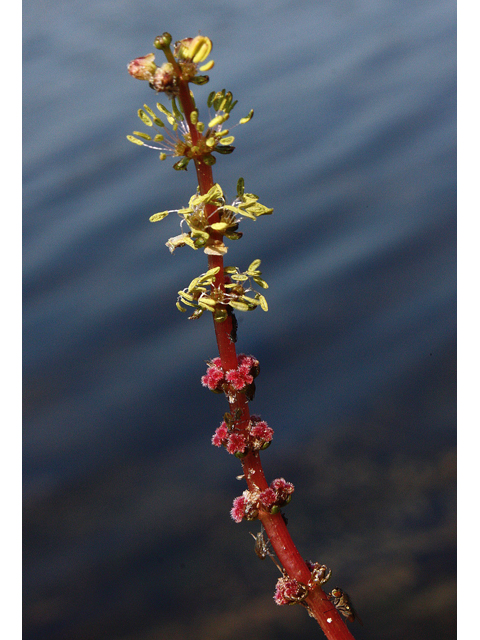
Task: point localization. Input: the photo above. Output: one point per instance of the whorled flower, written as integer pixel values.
(182, 65)
(278, 494)
(268, 497)
(233, 380)
(215, 376)
(143, 68)
(229, 216)
(251, 502)
(245, 506)
(238, 510)
(174, 142)
(260, 433)
(289, 591)
(255, 437)
(283, 490)
(213, 139)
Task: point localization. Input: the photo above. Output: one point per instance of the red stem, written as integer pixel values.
(320, 608)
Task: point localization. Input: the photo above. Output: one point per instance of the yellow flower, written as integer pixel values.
(195, 49)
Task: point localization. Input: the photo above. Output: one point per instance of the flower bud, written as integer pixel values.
(143, 68)
(163, 41)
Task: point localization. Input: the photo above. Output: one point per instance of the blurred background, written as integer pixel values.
(127, 533)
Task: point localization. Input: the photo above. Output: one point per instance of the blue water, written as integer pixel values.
(352, 143)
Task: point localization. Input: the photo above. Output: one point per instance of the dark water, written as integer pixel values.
(353, 144)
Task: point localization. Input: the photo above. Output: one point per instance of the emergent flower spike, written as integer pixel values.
(208, 222)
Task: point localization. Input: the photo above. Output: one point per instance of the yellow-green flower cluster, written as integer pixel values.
(195, 140)
(203, 295)
(178, 132)
(201, 228)
(178, 142)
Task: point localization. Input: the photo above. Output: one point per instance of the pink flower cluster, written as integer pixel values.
(214, 377)
(247, 506)
(239, 379)
(289, 591)
(257, 435)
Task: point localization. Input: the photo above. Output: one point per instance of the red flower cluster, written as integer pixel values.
(283, 491)
(239, 379)
(214, 377)
(289, 591)
(272, 499)
(257, 435)
(245, 506)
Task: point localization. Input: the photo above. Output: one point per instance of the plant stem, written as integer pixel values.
(319, 606)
